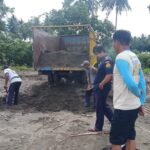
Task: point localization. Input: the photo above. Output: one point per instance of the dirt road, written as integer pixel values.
(46, 119)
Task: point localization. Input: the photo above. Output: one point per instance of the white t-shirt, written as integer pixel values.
(123, 98)
(13, 76)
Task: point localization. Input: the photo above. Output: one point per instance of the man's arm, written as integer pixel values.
(109, 74)
(142, 87)
(94, 70)
(89, 86)
(107, 78)
(124, 70)
(6, 80)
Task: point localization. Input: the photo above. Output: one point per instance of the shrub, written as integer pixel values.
(145, 59)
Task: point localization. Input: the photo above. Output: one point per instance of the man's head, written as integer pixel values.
(86, 64)
(99, 51)
(121, 40)
(5, 67)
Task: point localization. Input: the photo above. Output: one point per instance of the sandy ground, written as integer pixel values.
(46, 119)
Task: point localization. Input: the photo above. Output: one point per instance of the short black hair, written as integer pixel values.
(98, 49)
(5, 67)
(123, 36)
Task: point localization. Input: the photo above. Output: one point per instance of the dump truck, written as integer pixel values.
(60, 56)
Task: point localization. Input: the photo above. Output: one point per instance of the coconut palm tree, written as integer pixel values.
(118, 5)
(93, 5)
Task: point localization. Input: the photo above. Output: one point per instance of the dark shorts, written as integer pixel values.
(123, 126)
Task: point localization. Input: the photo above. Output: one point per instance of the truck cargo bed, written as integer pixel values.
(59, 51)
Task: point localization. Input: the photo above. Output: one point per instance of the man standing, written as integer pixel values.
(102, 87)
(15, 83)
(90, 74)
(129, 92)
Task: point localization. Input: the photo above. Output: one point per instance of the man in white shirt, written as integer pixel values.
(15, 82)
(129, 89)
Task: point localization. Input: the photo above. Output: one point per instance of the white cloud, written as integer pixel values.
(26, 8)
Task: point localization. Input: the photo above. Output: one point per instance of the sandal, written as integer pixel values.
(93, 130)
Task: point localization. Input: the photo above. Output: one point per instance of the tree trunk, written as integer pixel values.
(92, 8)
(116, 20)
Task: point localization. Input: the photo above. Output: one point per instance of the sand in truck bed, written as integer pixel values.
(62, 59)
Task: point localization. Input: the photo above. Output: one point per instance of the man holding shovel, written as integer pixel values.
(15, 82)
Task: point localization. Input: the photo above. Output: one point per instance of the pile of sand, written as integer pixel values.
(61, 59)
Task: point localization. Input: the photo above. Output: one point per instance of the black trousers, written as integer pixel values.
(13, 93)
(102, 108)
(88, 95)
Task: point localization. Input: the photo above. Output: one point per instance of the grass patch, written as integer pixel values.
(146, 70)
(22, 68)
(19, 68)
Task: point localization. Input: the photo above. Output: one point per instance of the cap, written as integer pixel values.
(85, 62)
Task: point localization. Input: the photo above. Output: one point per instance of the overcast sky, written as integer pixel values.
(137, 20)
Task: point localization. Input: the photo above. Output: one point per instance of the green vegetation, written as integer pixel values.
(145, 59)
(146, 70)
(15, 52)
(141, 43)
(22, 68)
(16, 35)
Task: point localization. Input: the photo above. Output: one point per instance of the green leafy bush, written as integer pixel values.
(145, 59)
(146, 70)
(15, 52)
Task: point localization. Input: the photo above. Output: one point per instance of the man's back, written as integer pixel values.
(105, 67)
(129, 92)
(13, 76)
(124, 99)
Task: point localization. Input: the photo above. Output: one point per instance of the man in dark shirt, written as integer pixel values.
(102, 87)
